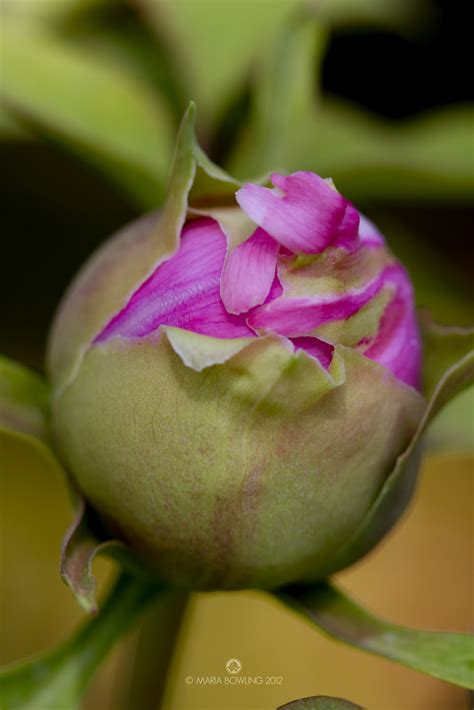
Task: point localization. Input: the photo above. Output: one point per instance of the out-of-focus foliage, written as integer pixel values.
(98, 111)
(107, 77)
(441, 654)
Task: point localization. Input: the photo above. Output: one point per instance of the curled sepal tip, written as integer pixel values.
(82, 542)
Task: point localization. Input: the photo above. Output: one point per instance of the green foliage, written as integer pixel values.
(94, 108)
(23, 400)
(60, 678)
(449, 656)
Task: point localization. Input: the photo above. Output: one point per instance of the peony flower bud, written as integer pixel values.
(232, 404)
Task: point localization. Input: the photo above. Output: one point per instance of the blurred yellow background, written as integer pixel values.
(421, 576)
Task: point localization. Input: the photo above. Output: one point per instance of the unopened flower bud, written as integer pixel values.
(234, 417)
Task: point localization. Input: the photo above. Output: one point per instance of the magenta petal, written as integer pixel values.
(397, 345)
(301, 315)
(248, 273)
(347, 234)
(368, 233)
(183, 292)
(303, 212)
(317, 348)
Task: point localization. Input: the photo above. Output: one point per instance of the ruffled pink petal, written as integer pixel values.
(301, 315)
(183, 292)
(397, 345)
(248, 273)
(317, 348)
(369, 235)
(303, 212)
(347, 234)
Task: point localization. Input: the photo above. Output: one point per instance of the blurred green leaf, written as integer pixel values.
(402, 15)
(425, 157)
(49, 11)
(119, 38)
(23, 400)
(320, 702)
(59, 679)
(452, 430)
(291, 129)
(95, 109)
(443, 346)
(214, 43)
(445, 655)
(283, 97)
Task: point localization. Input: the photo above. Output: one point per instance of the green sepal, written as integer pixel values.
(444, 347)
(445, 655)
(58, 679)
(83, 541)
(320, 702)
(449, 356)
(23, 400)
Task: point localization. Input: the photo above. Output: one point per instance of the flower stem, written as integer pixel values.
(150, 658)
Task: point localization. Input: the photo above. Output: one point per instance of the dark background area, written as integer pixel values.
(56, 210)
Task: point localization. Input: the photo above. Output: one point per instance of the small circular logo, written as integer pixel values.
(233, 666)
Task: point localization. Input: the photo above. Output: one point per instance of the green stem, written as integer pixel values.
(60, 678)
(150, 657)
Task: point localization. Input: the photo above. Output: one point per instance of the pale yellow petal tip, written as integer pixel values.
(201, 351)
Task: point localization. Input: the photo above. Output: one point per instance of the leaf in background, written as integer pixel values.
(23, 400)
(48, 11)
(452, 430)
(214, 43)
(93, 108)
(406, 16)
(443, 346)
(59, 679)
(445, 655)
(320, 702)
(284, 97)
(424, 157)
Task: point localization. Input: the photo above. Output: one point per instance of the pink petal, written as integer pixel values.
(303, 213)
(347, 234)
(248, 273)
(317, 348)
(368, 233)
(183, 292)
(397, 345)
(301, 315)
